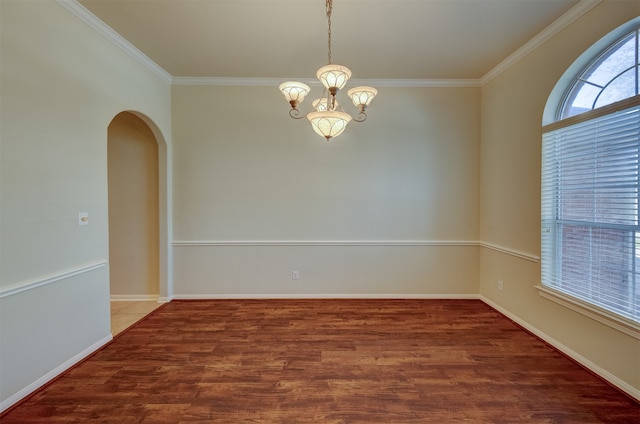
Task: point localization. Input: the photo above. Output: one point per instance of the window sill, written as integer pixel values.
(618, 322)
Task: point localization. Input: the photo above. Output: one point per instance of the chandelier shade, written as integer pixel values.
(362, 96)
(327, 117)
(329, 124)
(294, 92)
(334, 76)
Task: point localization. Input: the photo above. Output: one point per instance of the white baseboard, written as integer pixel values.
(606, 375)
(133, 297)
(216, 296)
(12, 400)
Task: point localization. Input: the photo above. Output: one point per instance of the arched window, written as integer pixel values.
(591, 186)
(612, 76)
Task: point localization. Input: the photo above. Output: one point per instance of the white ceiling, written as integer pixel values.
(377, 39)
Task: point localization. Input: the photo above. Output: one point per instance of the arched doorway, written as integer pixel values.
(134, 211)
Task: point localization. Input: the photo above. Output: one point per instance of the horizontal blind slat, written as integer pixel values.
(590, 210)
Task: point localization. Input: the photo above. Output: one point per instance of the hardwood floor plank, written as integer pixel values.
(327, 361)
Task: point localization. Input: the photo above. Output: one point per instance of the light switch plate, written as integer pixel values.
(83, 218)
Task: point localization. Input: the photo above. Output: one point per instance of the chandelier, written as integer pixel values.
(327, 117)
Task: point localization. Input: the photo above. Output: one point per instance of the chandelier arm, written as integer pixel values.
(361, 117)
(295, 114)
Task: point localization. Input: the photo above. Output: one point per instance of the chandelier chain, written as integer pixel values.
(329, 10)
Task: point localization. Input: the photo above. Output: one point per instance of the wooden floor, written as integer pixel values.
(125, 313)
(326, 361)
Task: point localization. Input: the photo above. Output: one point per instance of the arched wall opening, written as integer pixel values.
(138, 203)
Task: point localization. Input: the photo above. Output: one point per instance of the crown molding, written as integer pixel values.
(558, 25)
(555, 27)
(271, 82)
(418, 83)
(103, 29)
(232, 81)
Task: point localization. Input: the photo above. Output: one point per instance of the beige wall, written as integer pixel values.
(395, 206)
(132, 156)
(62, 83)
(245, 172)
(512, 107)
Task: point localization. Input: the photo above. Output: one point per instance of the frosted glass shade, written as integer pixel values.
(362, 96)
(329, 124)
(334, 76)
(294, 91)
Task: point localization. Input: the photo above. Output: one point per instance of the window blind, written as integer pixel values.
(590, 230)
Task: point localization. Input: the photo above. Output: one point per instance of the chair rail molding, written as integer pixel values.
(49, 279)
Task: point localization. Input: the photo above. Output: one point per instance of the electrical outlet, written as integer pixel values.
(295, 275)
(500, 285)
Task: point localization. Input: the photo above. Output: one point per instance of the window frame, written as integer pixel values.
(558, 103)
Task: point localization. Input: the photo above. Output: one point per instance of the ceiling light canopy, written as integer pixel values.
(327, 118)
